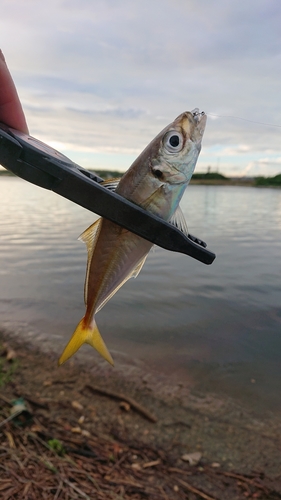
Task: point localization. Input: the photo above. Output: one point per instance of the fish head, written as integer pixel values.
(179, 148)
(158, 177)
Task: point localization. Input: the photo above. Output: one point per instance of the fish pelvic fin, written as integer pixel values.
(85, 335)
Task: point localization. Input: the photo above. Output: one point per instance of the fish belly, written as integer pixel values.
(118, 255)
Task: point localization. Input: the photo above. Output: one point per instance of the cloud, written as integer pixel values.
(271, 161)
(111, 74)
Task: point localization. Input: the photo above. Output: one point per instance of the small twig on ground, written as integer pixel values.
(243, 478)
(6, 400)
(75, 488)
(59, 489)
(122, 397)
(194, 490)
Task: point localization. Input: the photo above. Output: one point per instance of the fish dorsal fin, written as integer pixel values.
(133, 274)
(90, 237)
(111, 184)
(178, 220)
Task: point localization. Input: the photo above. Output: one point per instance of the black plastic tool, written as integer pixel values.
(40, 164)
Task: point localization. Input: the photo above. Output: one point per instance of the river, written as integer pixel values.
(216, 327)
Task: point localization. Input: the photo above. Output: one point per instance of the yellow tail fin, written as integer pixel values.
(88, 335)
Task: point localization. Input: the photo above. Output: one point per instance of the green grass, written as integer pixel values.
(57, 447)
(7, 369)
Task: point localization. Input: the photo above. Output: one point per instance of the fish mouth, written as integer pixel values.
(200, 119)
(197, 115)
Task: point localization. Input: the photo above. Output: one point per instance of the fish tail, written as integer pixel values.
(89, 335)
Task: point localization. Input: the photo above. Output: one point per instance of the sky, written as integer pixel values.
(99, 79)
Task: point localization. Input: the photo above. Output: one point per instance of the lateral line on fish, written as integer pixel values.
(244, 119)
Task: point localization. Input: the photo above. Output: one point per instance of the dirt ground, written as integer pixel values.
(90, 433)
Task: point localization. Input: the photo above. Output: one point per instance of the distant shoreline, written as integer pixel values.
(222, 182)
(208, 179)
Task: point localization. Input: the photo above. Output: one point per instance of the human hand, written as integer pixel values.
(11, 112)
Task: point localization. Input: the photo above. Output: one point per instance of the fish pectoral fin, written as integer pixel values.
(85, 335)
(178, 220)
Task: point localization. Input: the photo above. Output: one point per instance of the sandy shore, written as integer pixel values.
(139, 432)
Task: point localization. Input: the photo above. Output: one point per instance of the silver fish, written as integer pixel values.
(156, 181)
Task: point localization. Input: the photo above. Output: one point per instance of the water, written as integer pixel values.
(215, 327)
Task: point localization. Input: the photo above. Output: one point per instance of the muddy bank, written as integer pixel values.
(129, 433)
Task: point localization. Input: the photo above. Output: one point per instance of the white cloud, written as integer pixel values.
(104, 74)
(270, 160)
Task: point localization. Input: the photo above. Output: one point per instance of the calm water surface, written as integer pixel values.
(216, 326)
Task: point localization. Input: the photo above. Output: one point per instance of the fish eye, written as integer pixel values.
(173, 142)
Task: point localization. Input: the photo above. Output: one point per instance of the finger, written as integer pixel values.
(11, 112)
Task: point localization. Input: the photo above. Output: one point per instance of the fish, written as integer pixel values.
(156, 182)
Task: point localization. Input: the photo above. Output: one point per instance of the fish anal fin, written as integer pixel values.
(85, 335)
(90, 234)
(137, 269)
(133, 274)
(178, 220)
(90, 237)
